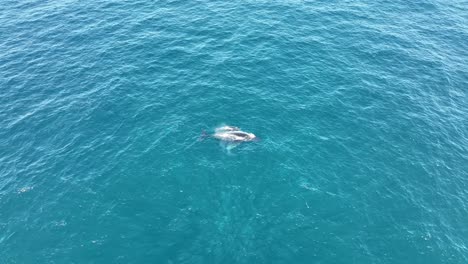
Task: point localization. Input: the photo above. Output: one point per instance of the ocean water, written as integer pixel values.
(361, 107)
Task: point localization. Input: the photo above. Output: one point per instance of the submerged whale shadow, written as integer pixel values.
(228, 146)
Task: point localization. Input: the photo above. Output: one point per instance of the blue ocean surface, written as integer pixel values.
(361, 107)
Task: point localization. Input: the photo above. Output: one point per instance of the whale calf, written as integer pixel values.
(226, 128)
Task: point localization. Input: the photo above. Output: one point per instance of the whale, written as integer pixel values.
(231, 134)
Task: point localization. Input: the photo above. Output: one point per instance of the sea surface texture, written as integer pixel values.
(361, 107)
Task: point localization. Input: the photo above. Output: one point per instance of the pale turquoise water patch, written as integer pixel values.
(361, 106)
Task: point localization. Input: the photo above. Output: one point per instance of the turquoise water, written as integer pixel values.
(362, 108)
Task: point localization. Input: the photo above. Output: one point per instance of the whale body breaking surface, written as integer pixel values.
(233, 134)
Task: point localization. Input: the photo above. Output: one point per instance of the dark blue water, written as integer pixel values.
(362, 108)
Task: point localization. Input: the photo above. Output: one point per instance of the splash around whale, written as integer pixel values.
(231, 134)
